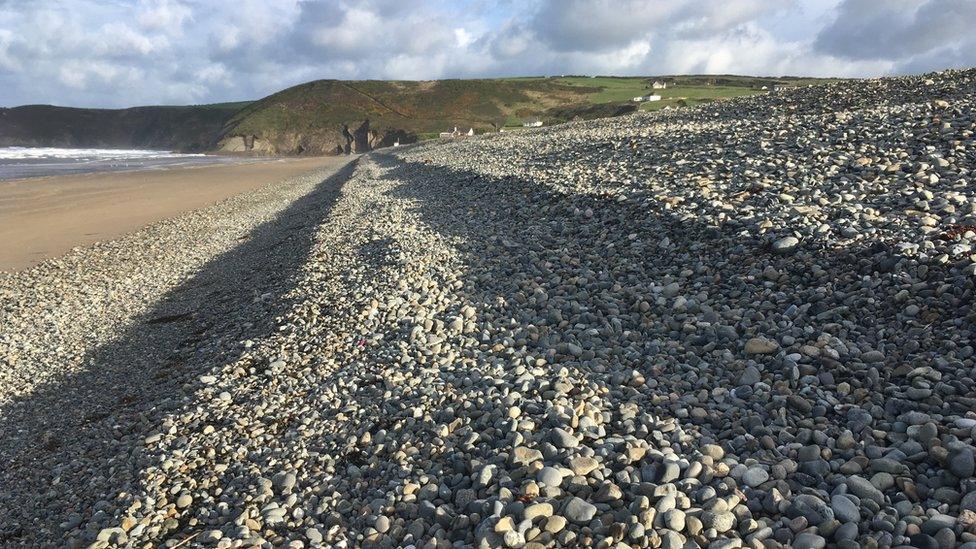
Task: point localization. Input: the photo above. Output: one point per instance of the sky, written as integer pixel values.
(118, 53)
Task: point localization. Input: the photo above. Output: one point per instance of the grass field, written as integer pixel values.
(682, 91)
(315, 112)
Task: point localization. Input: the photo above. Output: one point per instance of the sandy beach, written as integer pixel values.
(46, 217)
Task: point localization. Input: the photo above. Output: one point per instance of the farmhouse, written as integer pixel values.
(532, 123)
(659, 85)
(644, 98)
(456, 134)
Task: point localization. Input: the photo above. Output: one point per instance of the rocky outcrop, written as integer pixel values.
(246, 143)
(348, 138)
(387, 139)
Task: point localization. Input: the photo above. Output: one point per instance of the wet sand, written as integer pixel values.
(42, 218)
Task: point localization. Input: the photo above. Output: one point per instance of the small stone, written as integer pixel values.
(754, 476)
(847, 531)
(583, 465)
(523, 455)
(873, 357)
(844, 509)
(184, 501)
(563, 439)
(862, 488)
(713, 451)
(670, 472)
(284, 482)
(937, 522)
(675, 519)
(555, 524)
(923, 541)
(809, 541)
(579, 511)
(314, 535)
(550, 476)
(671, 290)
(672, 540)
(813, 509)
(721, 522)
(537, 510)
(785, 245)
(761, 346)
(961, 461)
(504, 524)
(608, 492)
(665, 504)
(750, 376)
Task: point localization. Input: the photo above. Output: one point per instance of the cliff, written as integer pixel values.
(334, 117)
(192, 128)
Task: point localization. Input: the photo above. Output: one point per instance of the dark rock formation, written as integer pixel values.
(168, 128)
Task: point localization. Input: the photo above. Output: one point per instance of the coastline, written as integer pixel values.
(45, 217)
(60, 167)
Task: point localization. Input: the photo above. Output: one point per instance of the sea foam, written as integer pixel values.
(54, 153)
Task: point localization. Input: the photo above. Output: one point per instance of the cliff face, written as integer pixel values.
(165, 128)
(345, 138)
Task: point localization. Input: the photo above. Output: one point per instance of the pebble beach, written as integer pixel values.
(745, 324)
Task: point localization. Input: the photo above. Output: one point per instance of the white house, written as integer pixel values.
(659, 85)
(644, 98)
(532, 123)
(454, 133)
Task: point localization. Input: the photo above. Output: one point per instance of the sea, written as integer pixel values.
(28, 162)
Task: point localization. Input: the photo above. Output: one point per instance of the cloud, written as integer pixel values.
(911, 35)
(119, 39)
(8, 62)
(164, 15)
(598, 25)
(369, 30)
(115, 53)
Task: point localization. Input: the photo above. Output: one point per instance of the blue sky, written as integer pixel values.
(114, 53)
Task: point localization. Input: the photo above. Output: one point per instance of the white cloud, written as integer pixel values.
(463, 38)
(908, 35)
(164, 15)
(82, 74)
(226, 37)
(118, 39)
(349, 35)
(126, 52)
(7, 61)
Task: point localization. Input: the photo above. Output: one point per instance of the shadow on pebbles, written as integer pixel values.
(742, 325)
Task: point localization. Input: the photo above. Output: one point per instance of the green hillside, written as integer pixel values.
(331, 116)
(327, 116)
